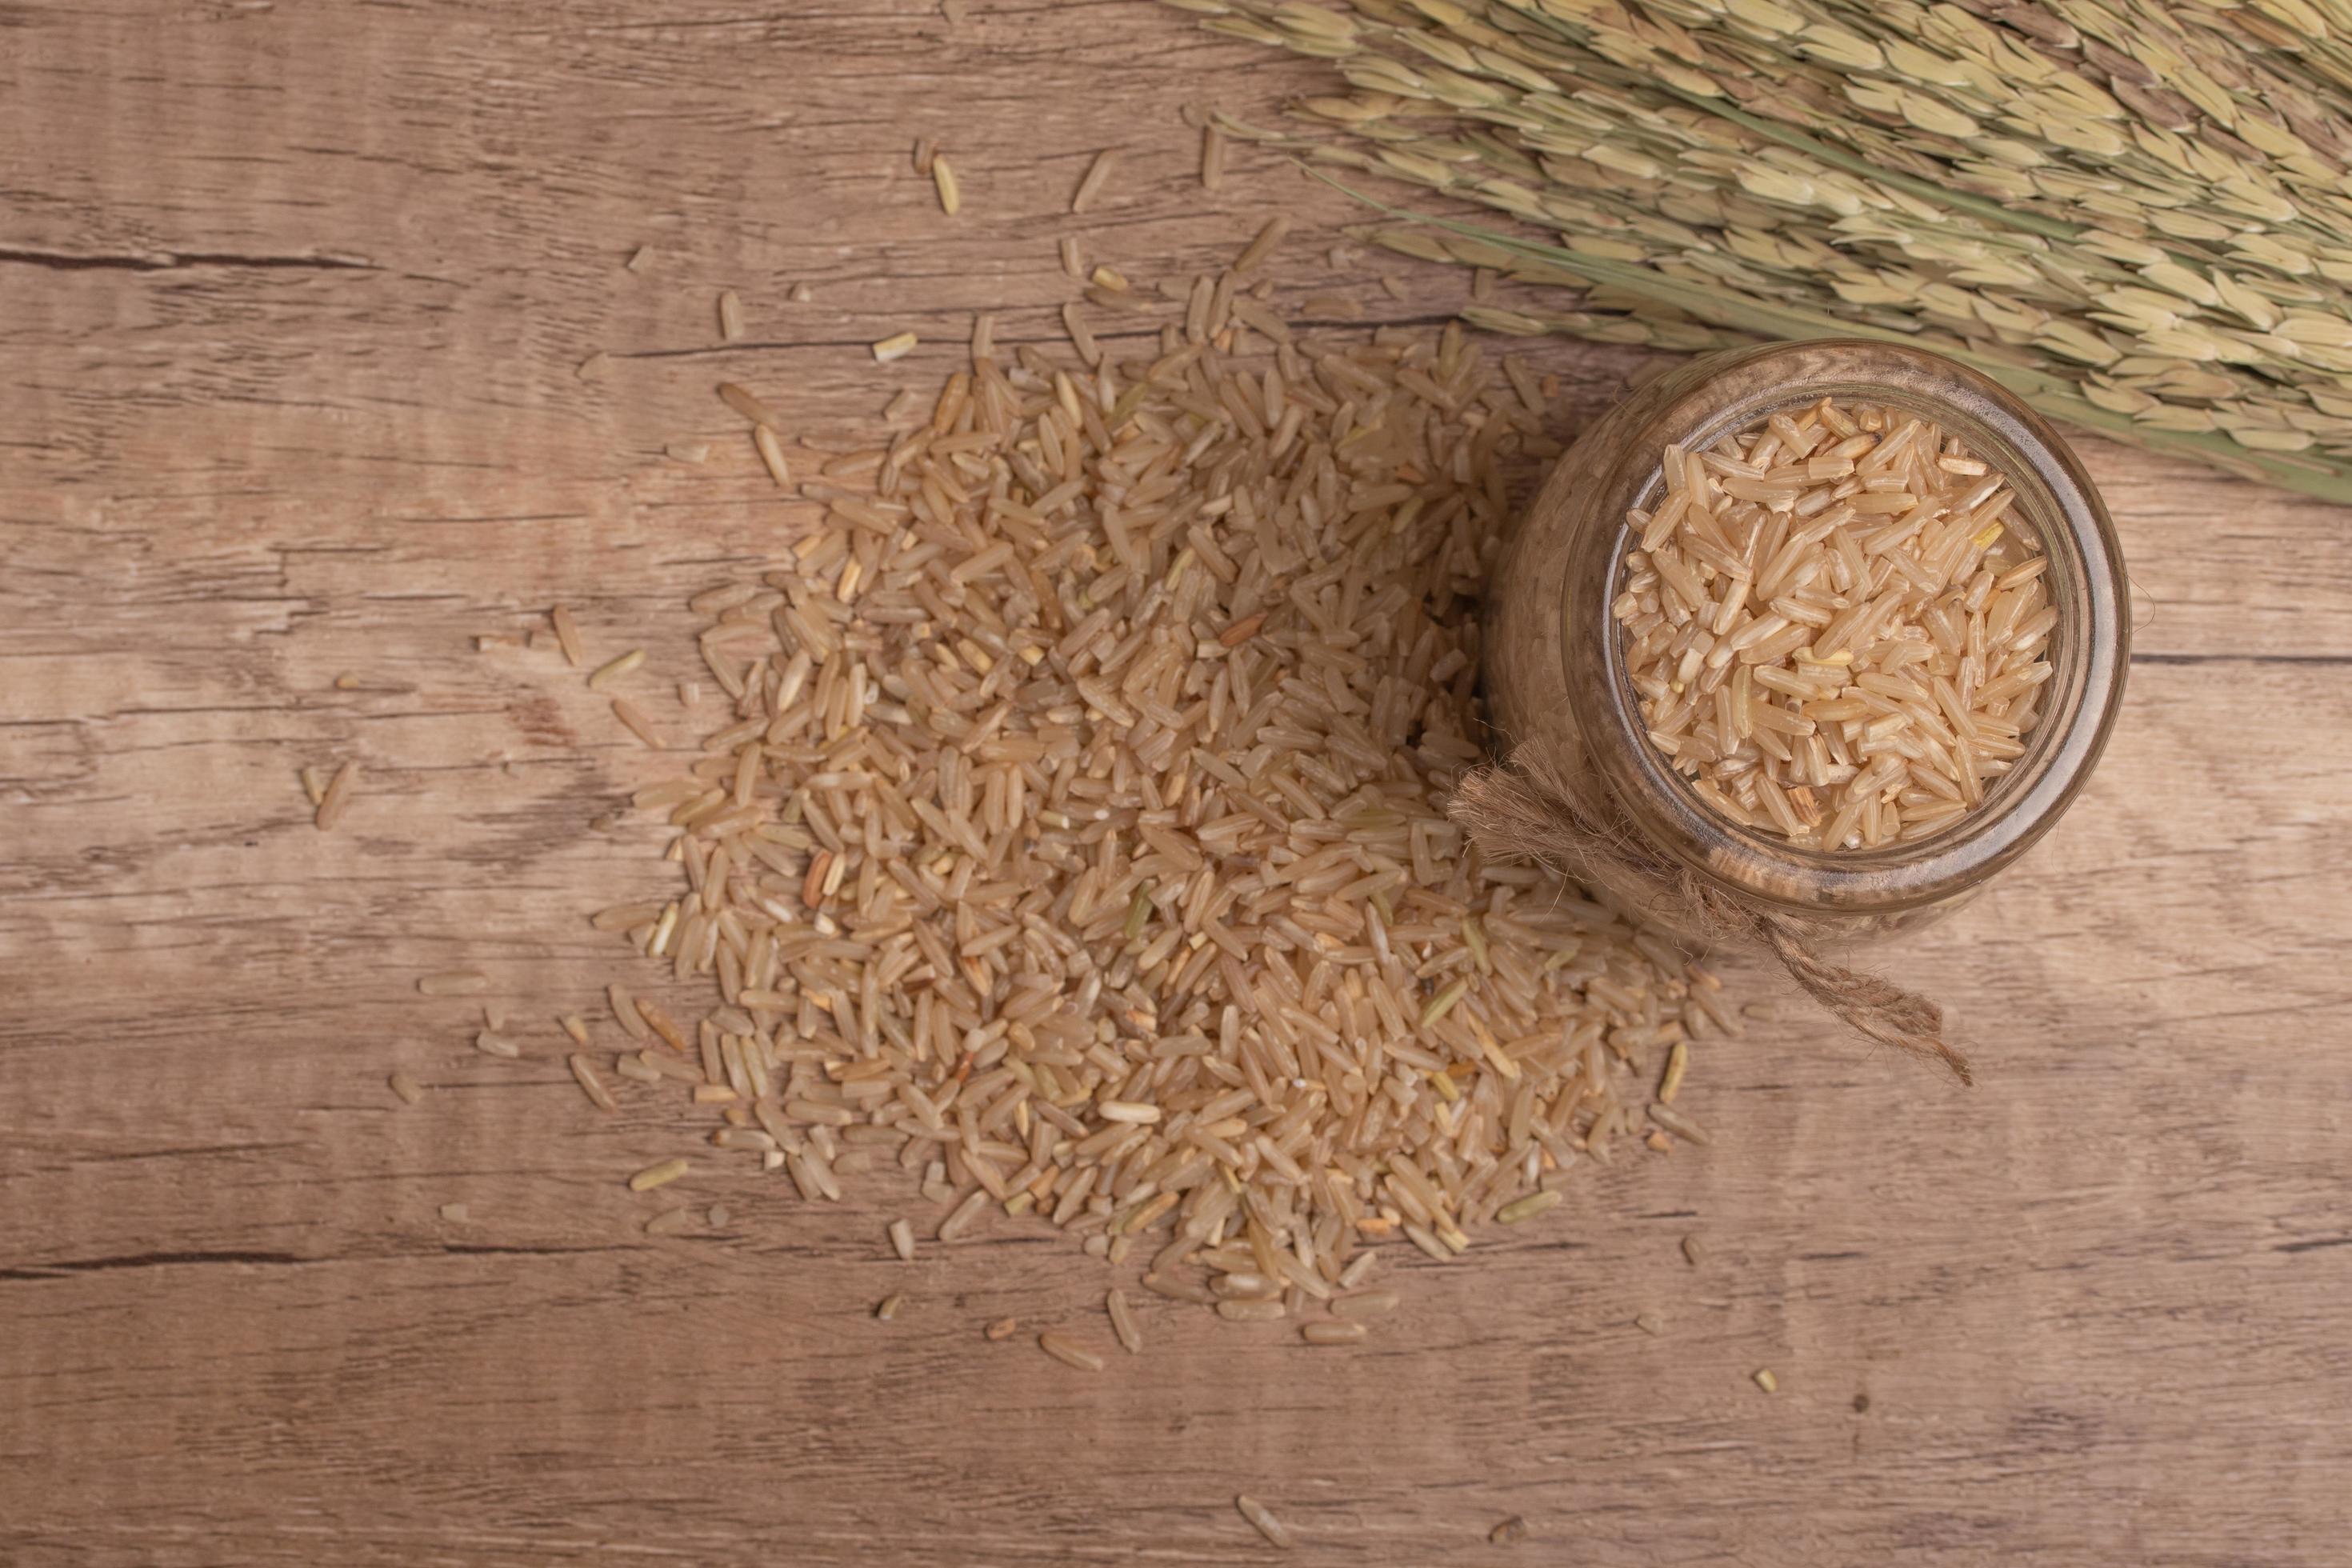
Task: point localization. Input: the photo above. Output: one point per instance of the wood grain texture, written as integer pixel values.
(292, 304)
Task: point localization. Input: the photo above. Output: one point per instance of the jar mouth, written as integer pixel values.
(2088, 646)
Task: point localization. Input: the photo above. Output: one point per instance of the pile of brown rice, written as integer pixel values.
(1078, 841)
(1838, 625)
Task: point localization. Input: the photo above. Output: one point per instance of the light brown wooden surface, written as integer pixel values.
(292, 301)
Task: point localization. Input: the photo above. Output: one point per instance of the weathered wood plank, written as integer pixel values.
(296, 303)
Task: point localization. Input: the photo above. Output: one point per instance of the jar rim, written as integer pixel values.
(1728, 393)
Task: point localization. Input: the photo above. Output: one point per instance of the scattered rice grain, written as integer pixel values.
(635, 719)
(1068, 1350)
(1325, 1333)
(584, 1073)
(1264, 1520)
(771, 456)
(337, 798)
(660, 1174)
(1123, 1324)
(567, 635)
(1098, 175)
(1528, 1207)
(1255, 253)
(743, 401)
(614, 670)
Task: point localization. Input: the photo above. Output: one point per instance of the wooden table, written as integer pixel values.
(295, 303)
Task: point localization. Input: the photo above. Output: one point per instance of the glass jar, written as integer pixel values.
(1556, 682)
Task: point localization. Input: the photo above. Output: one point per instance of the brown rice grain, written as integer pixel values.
(660, 1174)
(634, 718)
(584, 1073)
(1255, 253)
(1325, 1333)
(453, 983)
(771, 456)
(614, 670)
(743, 401)
(337, 798)
(1252, 1311)
(1262, 1519)
(1098, 175)
(662, 1023)
(1069, 1352)
(1681, 1126)
(1528, 1207)
(567, 635)
(1123, 1324)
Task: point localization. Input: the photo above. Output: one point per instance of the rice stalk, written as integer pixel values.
(2136, 216)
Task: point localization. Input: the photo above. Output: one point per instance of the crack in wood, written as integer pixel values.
(66, 1267)
(170, 260)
